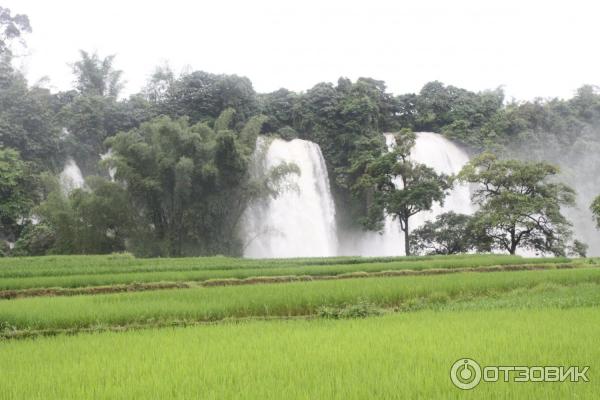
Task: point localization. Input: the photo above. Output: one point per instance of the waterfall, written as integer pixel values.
(71, 178)
(299, 222)
(111, 170)
(443, 156)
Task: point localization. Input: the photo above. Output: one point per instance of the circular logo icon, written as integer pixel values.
(465, 373)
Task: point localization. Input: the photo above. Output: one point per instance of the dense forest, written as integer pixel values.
(167, 170)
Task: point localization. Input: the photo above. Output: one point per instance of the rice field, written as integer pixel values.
(85, 271)
(381, 336)
(392, 357)
(271, 300)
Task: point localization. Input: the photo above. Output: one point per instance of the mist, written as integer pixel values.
(579, 163)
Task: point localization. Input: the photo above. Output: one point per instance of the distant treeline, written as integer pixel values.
(182, 148)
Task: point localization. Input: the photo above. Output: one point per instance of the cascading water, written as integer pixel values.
(71, 177)
(301, 220)
(111, 170)
(443, 156)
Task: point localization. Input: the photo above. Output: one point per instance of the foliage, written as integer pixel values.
(362, 309)
(346, 121)
(93, 113)
(11, 27)
(450, 233)
(280, 106)
(85, 221)
(17, 194)
(596, 210)
(157, 87)
(36, 240)
(401, 187)
(27, 121)
(202, 96)
(96, 76)
(460, 114)
(578, 249)
(519, 204)
(189, 183)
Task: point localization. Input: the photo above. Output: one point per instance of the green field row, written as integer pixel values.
(124, 262)
(400, 356)
(202, 269)
(290, 299)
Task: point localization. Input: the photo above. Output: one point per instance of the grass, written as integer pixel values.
(89, 271)
(125, 262)
(392, 357)
(290, 299)
(391, 337)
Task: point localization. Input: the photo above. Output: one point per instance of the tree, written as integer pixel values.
(450, 233)
(97, 76)
(280, 107)
(93, 113)
(11, 27)
(347, 121)
(595, 207)
(104, 212)
(202, 96)
(17, 194)
(94, 220)
(26, 114)
(189, 184)
(35, 240)
(519, 204)
(401, 188)
(27, 122)
(159, 83)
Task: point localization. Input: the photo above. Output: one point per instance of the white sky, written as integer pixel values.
(532, 48)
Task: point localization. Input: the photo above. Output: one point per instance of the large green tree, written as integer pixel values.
(401, 187)
(520, 204)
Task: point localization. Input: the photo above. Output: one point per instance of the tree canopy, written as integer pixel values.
(400, 187)
(12, 27)
(17, 193)
(189, 183)
(449, 233)
(182, 149)
(596, 210)
(97, 76)
(519, 204)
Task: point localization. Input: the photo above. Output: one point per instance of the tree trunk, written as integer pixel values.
(514, 242)
(406, 239)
